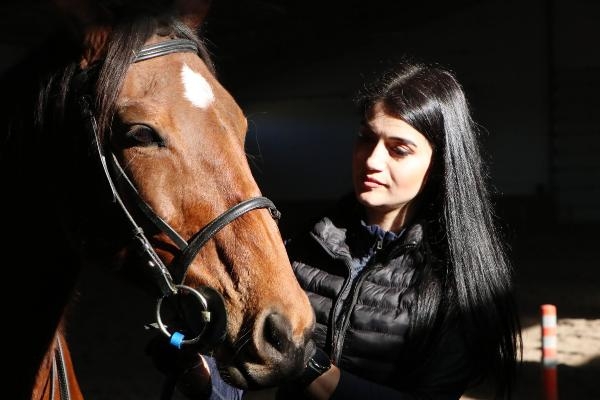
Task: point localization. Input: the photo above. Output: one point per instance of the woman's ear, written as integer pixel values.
(427, 174)
(432, 176)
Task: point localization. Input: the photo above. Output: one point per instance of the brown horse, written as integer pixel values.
(132, 157)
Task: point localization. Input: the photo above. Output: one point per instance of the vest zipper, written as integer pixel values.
(338, 344)
(337, 340)
(338, 299)
(338, 307)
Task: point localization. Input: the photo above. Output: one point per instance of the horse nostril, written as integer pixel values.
(277, 332)
(275, 347)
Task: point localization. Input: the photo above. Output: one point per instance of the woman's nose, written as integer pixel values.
(377, 156)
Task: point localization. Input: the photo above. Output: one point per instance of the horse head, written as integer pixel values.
(178, 203)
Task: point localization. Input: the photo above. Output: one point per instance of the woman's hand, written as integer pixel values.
(188, 370)
(194, 380)
(323, 387)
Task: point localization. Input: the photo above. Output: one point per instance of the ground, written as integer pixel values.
(558, 265)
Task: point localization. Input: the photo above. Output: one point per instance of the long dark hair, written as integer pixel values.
(468, 272)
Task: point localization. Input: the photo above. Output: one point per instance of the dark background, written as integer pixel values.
(531, 70)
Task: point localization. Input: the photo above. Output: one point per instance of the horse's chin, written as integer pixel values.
(252, 375)
(242, 378)
(235, 377)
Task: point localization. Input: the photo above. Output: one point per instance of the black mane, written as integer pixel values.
(50, 177)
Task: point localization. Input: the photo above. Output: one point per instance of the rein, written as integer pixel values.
(169, 280)
(59, 371)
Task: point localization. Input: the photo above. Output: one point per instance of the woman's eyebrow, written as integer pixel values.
(403, 140)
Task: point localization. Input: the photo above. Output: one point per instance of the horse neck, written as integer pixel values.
(46, 277)
(47, 384)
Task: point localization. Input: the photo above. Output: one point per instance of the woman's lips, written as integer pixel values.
(371, 183)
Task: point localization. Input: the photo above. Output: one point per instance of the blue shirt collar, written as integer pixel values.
(380, 235)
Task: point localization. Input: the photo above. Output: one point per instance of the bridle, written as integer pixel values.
(168, 280)
(168, 283)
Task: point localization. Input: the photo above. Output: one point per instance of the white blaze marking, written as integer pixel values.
(197, 89)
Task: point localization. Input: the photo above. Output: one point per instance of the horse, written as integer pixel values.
(121, 150)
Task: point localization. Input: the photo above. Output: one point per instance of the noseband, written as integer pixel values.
(170, 283)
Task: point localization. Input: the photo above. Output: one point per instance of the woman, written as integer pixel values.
(408, 278)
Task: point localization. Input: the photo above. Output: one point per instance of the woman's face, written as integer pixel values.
(389, 165)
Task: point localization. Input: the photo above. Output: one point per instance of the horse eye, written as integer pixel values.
(142, 135)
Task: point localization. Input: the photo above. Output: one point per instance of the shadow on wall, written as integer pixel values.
(297, 152)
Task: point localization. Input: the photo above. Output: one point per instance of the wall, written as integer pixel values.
(529, 73)
(530, 68)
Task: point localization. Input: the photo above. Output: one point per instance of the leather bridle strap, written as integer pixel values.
(166, 47)
(157, 221)
(115, 173)
(159, 271)
(59, 371)
(181, 264)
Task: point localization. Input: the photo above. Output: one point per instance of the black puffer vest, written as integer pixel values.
(362, 323)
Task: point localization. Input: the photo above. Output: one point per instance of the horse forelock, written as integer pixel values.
(124, 42)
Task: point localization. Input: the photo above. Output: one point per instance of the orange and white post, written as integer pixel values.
(549, 352)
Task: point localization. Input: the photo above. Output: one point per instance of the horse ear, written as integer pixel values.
(91, 22)
(83, 15)
(90, 25)
(193, 12)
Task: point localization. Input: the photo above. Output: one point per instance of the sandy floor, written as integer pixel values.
(559, 266)
(578, 370)
(108, 337)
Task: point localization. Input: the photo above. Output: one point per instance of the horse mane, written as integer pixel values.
(44, 90)
(36, 122)
(126, 38)
(40, 85)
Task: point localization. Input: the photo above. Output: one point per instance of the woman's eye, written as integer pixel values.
(401, 151)
(141, 135)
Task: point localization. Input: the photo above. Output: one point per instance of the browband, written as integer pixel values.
(166, 47)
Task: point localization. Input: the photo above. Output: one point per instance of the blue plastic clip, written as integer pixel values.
(176, 339)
